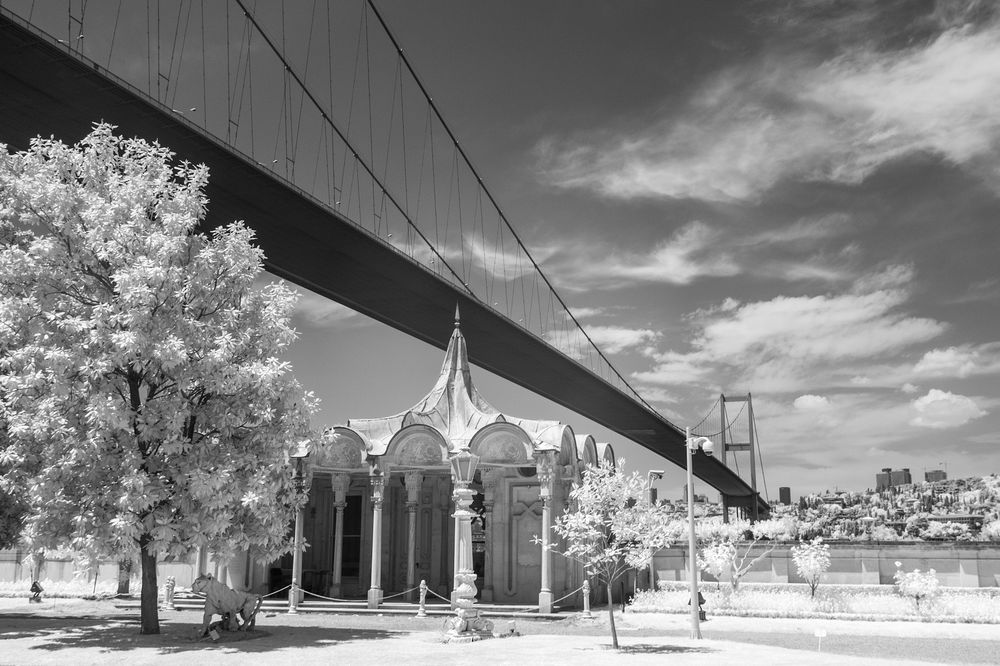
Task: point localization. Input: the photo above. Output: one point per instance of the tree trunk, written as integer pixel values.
(611, 617)
(124, 575)
(149, 618)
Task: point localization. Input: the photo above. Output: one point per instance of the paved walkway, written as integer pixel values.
(67, 631)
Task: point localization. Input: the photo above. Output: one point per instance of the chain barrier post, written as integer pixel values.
(586, 598)
(422, 611)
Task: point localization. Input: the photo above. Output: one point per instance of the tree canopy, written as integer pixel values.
(147, 407)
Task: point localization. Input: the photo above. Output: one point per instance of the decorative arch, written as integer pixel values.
(502, 444)
(606, 454)
(586, 451)
(341, 448)
(551, 437)
(417, 446)
(567, 448)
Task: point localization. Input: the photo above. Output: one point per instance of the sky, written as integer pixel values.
(796, 200)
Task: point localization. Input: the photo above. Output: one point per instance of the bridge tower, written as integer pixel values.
(735, 437)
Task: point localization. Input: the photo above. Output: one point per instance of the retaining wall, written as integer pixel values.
(956, 564)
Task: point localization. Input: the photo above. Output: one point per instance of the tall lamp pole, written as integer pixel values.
(298, 457)
(692, 444)
(652, 475)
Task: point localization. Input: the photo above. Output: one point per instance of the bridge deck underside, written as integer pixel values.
(46, 91)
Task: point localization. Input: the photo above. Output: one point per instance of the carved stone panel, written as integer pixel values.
(524, 559)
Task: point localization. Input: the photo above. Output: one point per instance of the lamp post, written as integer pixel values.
(692, 444)
(652, 475)
(467, 625)
(298, 458)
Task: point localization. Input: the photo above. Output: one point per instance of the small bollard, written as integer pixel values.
(586, 599)
(293, 597)
(422, 611)
(168, 593)
(36, 593)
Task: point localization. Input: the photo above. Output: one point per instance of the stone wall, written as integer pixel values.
(956, 564)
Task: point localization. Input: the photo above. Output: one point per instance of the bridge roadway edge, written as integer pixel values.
(45, 90)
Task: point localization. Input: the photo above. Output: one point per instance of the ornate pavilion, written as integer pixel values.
(380, 513)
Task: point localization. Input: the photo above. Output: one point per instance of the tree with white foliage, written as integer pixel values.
(812, 560)
(730, 544)
(611, 527)
(147, 408)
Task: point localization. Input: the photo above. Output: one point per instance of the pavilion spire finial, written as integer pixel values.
(457, 317)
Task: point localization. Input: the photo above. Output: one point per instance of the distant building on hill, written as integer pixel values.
(889, 477)
(785, 495)
(935, 475)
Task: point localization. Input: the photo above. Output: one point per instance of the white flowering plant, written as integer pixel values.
(918, 585)
(812, 560)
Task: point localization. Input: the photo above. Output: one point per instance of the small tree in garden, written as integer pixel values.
(717, 559)
(918, 585)
(730, 544)
(613, 527)
(147, 408)
(812, 560)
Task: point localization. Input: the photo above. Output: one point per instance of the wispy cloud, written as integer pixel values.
(320, 312)
(609, 339)
(698, 250)
(791, 117)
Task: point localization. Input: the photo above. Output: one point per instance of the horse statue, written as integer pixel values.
(228, 603)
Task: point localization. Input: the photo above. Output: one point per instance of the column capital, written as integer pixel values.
(340, 483)
(545, 471)
(413, 481)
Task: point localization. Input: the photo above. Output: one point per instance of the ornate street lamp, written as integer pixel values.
(692, 444)
(298, 458)
(467, 625)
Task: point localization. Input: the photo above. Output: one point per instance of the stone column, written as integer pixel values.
(377, 481)
(490, 478)
(544, 465)
(413, 483)
(339, 483)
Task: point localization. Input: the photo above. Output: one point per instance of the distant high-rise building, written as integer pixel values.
(785, 495)
(889, 477)
(935, 475)
(900, 477)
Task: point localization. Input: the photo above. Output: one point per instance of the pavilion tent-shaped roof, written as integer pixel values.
(455, 409)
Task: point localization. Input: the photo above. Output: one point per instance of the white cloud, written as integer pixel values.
(909, 388)
(960, 361)
(943, 409)
(793, 343)
(585, 313)
(791, 118)
(809, 402)
(609, 339)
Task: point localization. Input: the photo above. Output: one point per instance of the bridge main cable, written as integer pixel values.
(496, 206)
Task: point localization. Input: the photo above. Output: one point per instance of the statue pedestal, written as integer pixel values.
(467, 625)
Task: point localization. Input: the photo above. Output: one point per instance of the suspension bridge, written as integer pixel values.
(320, 135)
